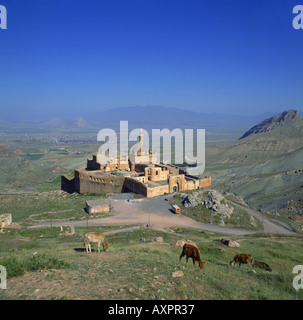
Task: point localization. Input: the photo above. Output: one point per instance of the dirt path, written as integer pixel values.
(156, 212)
(269, 227)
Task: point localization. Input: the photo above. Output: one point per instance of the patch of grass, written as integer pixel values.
(147, 267)
(70, 175)
(17, 267)
(33, 156)
(54, 205)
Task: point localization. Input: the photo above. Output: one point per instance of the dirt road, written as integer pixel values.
(268, 226)
(156, 212)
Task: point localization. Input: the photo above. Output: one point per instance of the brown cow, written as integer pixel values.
(244, 258)
(192, 252)
(262, 265)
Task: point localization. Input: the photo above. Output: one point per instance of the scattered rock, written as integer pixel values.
(177, 274)
(72, 230)
(66, 233)
(143, 239)
(181, 243)
(230, 243)
(157, 239)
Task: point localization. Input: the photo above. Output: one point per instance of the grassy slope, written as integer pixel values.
(28, 207)
(134, 269)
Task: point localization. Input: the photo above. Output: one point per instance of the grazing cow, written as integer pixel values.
(95, 237)
(192, 252)
(262, 265)
(243, 258)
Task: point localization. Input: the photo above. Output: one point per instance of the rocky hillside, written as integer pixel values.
(293, 207)
(270, 124)
(270, 139)
(265, 166)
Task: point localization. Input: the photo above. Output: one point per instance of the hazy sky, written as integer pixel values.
(72, 57)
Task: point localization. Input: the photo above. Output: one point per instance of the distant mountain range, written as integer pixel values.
(62, 123)
(166, 117)
(146, 117)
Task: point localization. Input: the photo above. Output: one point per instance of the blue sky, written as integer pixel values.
(69, 57)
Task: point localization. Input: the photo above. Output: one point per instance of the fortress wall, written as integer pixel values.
(67, 185)
(157, 174)
(140, 167)
(205, 183)
(123, 166)
(110, 167)
(102, 184)
(171, 168)
(157, 191)
(93, 164)
(191, 185)
(135, 186)
(141, 178)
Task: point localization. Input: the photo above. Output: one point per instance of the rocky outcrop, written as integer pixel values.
(211, 199)
(292, 207)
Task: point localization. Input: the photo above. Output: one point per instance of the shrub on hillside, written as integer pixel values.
(15, 267)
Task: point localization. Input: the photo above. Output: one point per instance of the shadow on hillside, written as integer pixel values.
(173, 211)
(83, 250)
(219, 263)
